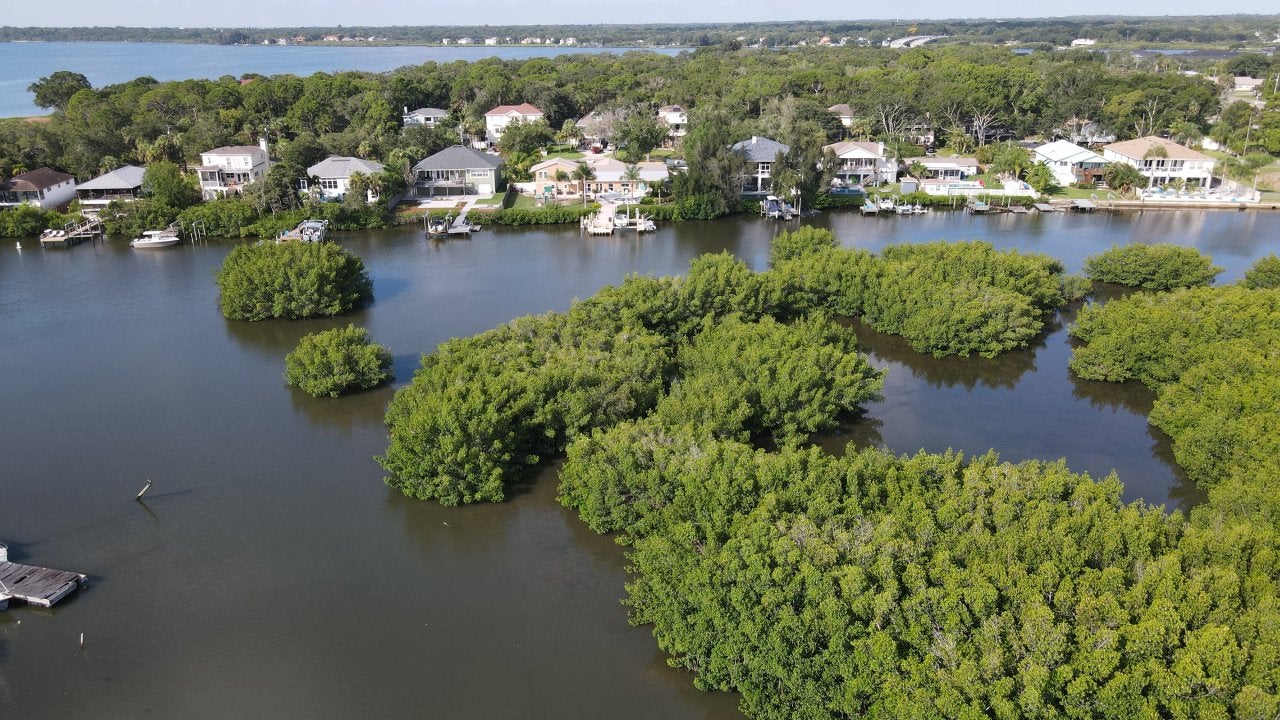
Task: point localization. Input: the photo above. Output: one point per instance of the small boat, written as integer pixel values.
(771, 207)
(157, 239)
(308, 231)
(438, 227)
(886, 203)
(869, 207)
(905, 209)
(919, 209)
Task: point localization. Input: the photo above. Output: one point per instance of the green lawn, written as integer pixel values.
(494, 200)
(1071, 193)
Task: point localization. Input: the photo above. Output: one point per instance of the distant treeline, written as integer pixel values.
(1232, 30)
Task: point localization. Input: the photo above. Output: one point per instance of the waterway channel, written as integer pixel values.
(270, 571)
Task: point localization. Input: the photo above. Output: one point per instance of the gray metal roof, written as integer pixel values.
(338, 166)
(122, 178)
(459, 158)
(429, 112)
(760, 149)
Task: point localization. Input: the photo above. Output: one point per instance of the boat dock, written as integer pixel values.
(73, 233)
(601, 222)
(34, 585)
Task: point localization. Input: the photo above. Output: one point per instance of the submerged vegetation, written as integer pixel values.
(291, 280)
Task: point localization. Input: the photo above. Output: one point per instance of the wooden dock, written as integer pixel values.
(34, 585)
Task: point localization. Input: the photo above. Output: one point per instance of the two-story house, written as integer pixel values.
(227, 170)
(497, 119)
(1069, 162)
(759, 155)
(1161, 161)
(42, 187)
(457, 170)
(677, 120)
(862, 163)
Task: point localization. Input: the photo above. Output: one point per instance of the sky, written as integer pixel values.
(329, 13)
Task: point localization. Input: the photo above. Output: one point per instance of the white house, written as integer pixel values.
(1069, 162)
(1161, 161)
(424, 116)
(497, 119)
(759, 154)
(334, 176)
(457, 170)
(951, 168)
(227, 170)
(862, 163)
(42, 187)
(123, 184)
(677, 120)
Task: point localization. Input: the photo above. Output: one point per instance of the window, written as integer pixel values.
(475, 173)
(329, 183)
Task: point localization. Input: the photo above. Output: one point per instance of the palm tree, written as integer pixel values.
(561, 177)
(632, 175)
(583, 173)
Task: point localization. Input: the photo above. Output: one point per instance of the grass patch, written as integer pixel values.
(495, 200)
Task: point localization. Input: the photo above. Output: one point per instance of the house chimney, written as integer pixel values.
(753, 139)
(880, 149)
(262, 143)
(406, 109)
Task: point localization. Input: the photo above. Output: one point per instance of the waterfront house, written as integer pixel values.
(677, 120)
(610, 176)
(424, 116)
(123, 184)
(497, 119)
(759, 154)
(544, 177)
(457, 170)
(42, 187)
(333, 176)
(1069, 162)
(951, 168)
(1161, 161)
(863, 163)
(227, 170)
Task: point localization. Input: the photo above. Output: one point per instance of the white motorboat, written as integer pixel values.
(156, 239)
(308, 231)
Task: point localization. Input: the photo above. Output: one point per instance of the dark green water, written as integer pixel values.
(270, 570)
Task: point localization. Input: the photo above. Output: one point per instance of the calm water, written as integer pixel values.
(270, 571)
(106, 63)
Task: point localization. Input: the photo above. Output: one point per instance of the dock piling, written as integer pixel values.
(143, 491)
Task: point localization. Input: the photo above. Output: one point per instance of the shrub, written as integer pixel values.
(337, 361)
(291, 280)
(1155, 267)
(1264, 275)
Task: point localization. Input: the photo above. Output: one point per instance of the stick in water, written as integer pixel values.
(144, 490)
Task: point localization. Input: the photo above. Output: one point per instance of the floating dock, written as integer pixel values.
(34, 585)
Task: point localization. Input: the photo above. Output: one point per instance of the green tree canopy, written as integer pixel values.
(54, 91)
(338, 361)
(291, 280)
